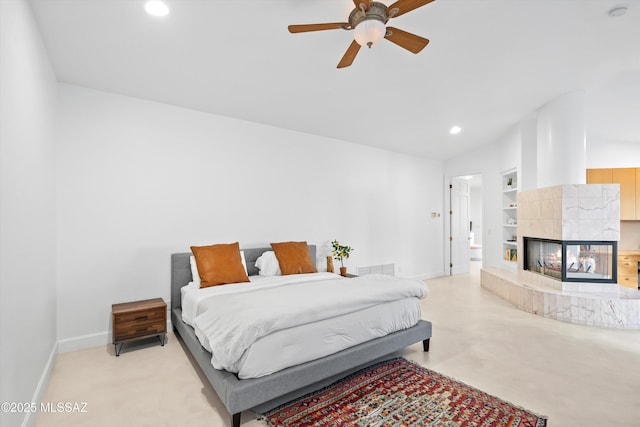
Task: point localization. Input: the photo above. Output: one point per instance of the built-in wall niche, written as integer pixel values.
(510, 217)
(571, 261)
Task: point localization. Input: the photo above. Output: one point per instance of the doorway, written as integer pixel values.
(466, 234)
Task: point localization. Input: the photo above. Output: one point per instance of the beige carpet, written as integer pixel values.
(578, 376)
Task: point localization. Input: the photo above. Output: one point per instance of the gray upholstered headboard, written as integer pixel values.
(181, 269)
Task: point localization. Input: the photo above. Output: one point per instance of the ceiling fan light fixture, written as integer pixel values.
(369, 32)
(156, 8)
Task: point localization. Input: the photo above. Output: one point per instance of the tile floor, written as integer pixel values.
(579, 376)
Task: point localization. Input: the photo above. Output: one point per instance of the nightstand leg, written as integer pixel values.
(118, 350)
(163, 339)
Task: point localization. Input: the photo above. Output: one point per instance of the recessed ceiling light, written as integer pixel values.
(455, 130)
(618, 11)
(156, 8)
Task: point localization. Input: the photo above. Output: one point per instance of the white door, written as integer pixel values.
(459, 239)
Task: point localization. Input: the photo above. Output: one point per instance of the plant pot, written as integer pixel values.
(343, 271)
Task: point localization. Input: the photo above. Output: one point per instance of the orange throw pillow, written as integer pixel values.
(219, 264)
(294, 258)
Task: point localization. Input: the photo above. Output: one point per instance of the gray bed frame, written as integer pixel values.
(265, 393)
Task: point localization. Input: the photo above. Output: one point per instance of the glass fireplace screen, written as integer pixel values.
(572, 261)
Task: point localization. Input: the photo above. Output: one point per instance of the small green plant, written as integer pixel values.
(509, 181)
(340, 252)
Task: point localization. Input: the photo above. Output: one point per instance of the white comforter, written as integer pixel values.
(230, 323)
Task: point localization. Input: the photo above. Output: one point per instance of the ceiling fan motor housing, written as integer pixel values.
(377, 11)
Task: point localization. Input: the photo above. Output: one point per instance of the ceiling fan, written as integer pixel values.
(368, 20)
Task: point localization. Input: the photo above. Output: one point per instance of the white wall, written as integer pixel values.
(27, 211)
(606, 153)
(139, 180)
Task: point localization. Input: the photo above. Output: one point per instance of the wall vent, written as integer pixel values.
(388, 269)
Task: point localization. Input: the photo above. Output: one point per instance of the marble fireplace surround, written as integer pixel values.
(577, 212)
(617, 308)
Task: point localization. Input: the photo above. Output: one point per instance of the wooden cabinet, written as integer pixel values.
(637, 193)
(626, 177)
(599, 176)
(628, 270)
(629, 180)
(138, 319)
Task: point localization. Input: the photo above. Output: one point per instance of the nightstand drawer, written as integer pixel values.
(142, 322)
(139, 330)
(141, 316)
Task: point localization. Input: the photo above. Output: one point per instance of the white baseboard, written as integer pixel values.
(425, 276)
(30, 418)
(82, 342)
(88, 341)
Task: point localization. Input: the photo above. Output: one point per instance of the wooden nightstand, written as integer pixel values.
(138, 319)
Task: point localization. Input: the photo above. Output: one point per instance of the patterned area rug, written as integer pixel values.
(401, 393)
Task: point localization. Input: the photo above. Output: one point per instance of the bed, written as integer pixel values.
(269, 391)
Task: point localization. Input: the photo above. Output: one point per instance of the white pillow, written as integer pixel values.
(194, 268)
(267, 264)
(195, 277)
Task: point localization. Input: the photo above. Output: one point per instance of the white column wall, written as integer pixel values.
(529, 154)
(561, 154)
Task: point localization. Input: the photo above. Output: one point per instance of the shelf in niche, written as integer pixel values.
(509, 214)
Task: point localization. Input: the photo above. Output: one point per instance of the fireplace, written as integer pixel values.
(572, 260)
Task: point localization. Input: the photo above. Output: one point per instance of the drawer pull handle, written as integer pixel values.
(141, 317)
(141, 330)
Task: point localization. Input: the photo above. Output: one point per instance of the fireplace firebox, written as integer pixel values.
(572, 261)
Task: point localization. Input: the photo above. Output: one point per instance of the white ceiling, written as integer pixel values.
(489, 64)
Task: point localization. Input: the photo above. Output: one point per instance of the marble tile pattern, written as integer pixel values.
(611, 307)
(567, 212)
(570, 212)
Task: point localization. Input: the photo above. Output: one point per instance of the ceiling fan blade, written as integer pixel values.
(405, 6)
(317, 27)
(411, 42)
(350, 55)
(367, 4)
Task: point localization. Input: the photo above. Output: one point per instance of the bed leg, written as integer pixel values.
(235, 420)
(425, 344)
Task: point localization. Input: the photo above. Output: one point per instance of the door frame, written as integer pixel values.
(447, 222)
